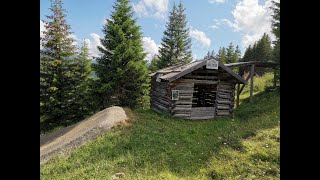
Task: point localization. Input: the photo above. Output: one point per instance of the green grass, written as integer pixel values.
(157, 146)
(259, 85)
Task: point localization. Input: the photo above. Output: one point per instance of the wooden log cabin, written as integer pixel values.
(194, 90)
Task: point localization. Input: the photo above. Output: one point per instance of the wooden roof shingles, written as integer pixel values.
(174, 72)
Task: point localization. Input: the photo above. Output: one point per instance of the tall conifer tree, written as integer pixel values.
(57, 85)
(222, 55)
(176, 42)
(121, 69)
(276, 32)
(230, 53)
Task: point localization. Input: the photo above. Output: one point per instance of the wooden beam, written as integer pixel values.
(257, 63)
(247, 78)
(251, 81)
(196, 81)
(201, 77)
(228, 70)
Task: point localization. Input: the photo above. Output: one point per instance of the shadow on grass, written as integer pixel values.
(158, 143)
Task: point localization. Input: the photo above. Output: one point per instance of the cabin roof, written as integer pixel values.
(174, 72)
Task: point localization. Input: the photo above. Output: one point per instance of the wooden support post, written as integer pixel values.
(251, 81)
(238, 95)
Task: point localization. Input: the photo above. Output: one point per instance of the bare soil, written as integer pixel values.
(68, 138)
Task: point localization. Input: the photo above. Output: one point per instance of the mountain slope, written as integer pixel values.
(157, 146)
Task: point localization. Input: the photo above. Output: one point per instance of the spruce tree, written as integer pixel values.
(207, 56)
(262, 52)
(221, 56)
(264, 49)
(276, 32)
(247, 54)
(82, 77)
(121, 69)
(276, 19)
(230, 53)
(210, 55)
(154, 63)
(56, 76)
(176, 42)
(235, 57)
(246, 58)
(237, 54)
(254, 52)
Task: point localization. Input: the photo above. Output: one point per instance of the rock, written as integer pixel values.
(118, 175)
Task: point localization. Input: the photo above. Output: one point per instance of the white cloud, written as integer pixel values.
(140, 8)
(201, 37)
(252, 20)
(42, 28)
(216, 1)
(250, 39)
(214, 27)
(92, 44)
(75, 38)
(227, 22)
(194, 57)
(150, 47)
(217, 21)
(156, 8)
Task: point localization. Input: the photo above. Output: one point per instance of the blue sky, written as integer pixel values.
(213, 23)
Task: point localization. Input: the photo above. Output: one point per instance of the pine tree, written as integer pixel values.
(230, 53)
(56, 77)
(222, 55)
(276, 32)
(154, 63)
(212, 54)
(121, 69)
(247, 54)
(207, 56)
(236, 55)
(218, 56)
(264, 49)
(82, 75)
(276, 19)
(176, 42)
(254, 52)
(262, 52)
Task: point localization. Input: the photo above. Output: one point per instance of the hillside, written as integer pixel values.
(155, 146)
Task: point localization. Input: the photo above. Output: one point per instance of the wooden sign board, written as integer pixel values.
(212, 64)
(175, 94)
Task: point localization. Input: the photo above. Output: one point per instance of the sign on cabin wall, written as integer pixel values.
(212, 64)
(175, 95)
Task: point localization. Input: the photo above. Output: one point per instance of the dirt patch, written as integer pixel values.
(63, 140)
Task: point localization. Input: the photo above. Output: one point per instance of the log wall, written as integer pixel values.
(182, 107)
(223, 100)
(225, 95)
(160, 97)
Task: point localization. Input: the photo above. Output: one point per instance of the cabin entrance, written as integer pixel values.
(203, 102)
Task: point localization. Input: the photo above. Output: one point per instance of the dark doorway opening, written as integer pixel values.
(204, 95)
